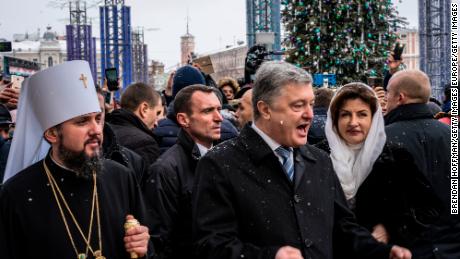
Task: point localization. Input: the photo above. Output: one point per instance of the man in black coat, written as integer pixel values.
(133, 123)
(265, 194)
(169, 187)
(111, 148)
(316, 133)
(428, 230)
(46, 205)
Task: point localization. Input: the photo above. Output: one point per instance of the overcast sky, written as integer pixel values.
(214, 23)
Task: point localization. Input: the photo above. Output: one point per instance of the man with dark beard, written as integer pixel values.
(71, 203)
(82, 164)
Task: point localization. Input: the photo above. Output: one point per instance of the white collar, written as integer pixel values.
(270, 142)
(203, 149)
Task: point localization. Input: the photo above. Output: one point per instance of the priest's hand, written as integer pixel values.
(136, 239)
(398, 252)
(381, 97)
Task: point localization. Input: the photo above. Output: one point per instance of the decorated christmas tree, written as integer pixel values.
(349, 38)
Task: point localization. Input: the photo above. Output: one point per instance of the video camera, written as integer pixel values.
(256, 55)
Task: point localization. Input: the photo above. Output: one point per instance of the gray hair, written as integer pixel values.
(271, 77)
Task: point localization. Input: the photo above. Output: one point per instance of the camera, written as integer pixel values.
(17, 82)
(256, 55)
(373, 81)
(398, 50)
(108, 97)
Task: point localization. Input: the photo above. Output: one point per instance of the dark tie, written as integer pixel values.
(288, 164)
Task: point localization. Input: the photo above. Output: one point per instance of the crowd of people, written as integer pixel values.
(271, 169)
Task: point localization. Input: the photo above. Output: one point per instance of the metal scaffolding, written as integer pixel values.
(80, 44)
(140, 65)
(434, 25)
(116, 45)
(263, 16)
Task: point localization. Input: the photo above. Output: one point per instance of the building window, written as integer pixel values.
(50, 61)
(35, 60)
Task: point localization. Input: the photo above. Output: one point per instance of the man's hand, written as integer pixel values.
(380, 233)
(398, 252)
(105, 87)
(380, 93)
(10, 97)
(109, 107)
(168, 89)
(288, 252)
(136, 239)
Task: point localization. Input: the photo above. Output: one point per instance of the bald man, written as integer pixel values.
(416, 201)
(244, 112)
(407, 87)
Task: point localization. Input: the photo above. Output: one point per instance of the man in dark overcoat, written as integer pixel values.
(71, 203)
(415, 205)
(133, 123)
(168, 189)
(266, 194)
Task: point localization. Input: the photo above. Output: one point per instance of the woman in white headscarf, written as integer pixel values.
(379, 178)
(355, 134)
(356, 137)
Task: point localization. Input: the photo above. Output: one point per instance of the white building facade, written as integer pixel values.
(48, 50)
(228, 62)
(411, 53)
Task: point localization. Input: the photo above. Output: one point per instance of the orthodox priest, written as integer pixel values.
(62, 200)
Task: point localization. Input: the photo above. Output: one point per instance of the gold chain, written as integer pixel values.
(95, 202)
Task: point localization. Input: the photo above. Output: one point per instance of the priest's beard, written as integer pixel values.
(79, 162)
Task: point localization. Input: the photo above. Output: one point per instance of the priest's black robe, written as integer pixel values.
(30, 222)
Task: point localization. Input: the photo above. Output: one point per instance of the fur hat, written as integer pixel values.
(230, 82)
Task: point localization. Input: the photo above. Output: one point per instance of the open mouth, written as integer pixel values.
(302, 129)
